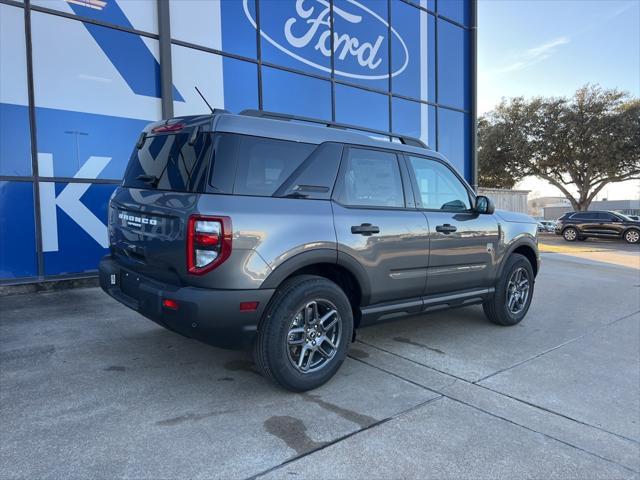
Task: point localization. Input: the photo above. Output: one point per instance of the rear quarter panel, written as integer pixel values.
(266, 233)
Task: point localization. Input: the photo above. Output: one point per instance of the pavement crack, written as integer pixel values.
(408, 341)
(444, 395)
(324, 445)
(564, 344)
(541, 433)
(412, 361)
(553, 412)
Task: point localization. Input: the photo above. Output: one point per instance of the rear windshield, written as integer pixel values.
(169, 162)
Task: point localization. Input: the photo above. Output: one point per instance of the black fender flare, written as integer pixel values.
(298, 261)
(317, 256)
(359, 273)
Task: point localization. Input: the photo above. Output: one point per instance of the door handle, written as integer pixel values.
(365, 229)
(446, 228)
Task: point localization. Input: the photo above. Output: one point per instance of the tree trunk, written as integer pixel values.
(582, 205)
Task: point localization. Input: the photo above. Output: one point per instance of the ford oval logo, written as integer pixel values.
(310, 27)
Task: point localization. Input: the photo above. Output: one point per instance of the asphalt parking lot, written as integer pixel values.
(89, 389)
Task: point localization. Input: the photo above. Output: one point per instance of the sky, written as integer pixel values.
(551, 48)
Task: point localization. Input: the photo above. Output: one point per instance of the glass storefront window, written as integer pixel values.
(361, 43)
(142, 15)
(95, 89)
(454, 139)
(306, 96)
(238, 34)
(224, 81)
(240, 84)
(453, 66)
(456, 10)
(67, 231)
(17, 251)
(15, 142)
(414, 119)
(417, 27)
(220, 24)
(296, 35)
(360, 107)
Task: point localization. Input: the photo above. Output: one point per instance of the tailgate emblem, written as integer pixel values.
(134, 221)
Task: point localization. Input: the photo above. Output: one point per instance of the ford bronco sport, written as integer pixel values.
(291, 235)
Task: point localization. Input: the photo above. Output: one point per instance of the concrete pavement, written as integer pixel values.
(90, 389)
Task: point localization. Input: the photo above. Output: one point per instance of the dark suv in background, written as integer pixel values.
(292, 235)
(582, 225)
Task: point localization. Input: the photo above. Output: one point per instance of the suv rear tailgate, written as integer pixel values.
(147, 231)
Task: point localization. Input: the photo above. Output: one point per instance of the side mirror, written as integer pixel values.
(484, 205)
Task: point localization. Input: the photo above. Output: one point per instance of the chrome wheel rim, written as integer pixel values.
(314, 336)
(570, 234)
(518, 291)
(632, 236)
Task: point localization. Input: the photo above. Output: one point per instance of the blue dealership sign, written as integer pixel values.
(96, 84)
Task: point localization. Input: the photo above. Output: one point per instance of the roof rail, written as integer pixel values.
(404, 139)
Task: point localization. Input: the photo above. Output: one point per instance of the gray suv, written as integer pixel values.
(274, 231)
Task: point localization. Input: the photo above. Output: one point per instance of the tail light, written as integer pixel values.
(208, 243)
(168, 128)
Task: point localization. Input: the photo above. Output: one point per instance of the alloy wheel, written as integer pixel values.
(314, 336)
(518, 291)
(632, 236)
(570, 234)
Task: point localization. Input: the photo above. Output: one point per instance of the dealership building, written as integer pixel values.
(79, 79)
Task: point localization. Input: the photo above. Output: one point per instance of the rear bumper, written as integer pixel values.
(212, 316)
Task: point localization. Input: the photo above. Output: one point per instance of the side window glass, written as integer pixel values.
(372, 178)
(264, 164)
(315, 177)
(438, 186)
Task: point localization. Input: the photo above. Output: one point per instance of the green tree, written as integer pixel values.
(578, 145)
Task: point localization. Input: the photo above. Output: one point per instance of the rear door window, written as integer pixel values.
(584, 216)
(170, 162)
(372, 178)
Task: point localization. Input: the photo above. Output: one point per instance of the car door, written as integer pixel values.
(378, 227)
(610, 224)
(587, 223)
(462, 242)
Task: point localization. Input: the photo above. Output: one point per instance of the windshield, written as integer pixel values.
(170, 162)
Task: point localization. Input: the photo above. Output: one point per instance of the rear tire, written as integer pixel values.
(632, 236)
(294, 347)
(570, 234)
(501, 308)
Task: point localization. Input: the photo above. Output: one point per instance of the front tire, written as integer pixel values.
(570, 234)
(514, 290)
(305, 333)
(632, 236)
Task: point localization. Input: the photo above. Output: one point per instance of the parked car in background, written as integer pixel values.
(602, 224)
(546, 226)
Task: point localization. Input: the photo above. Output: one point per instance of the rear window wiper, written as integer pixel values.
(150, 179)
